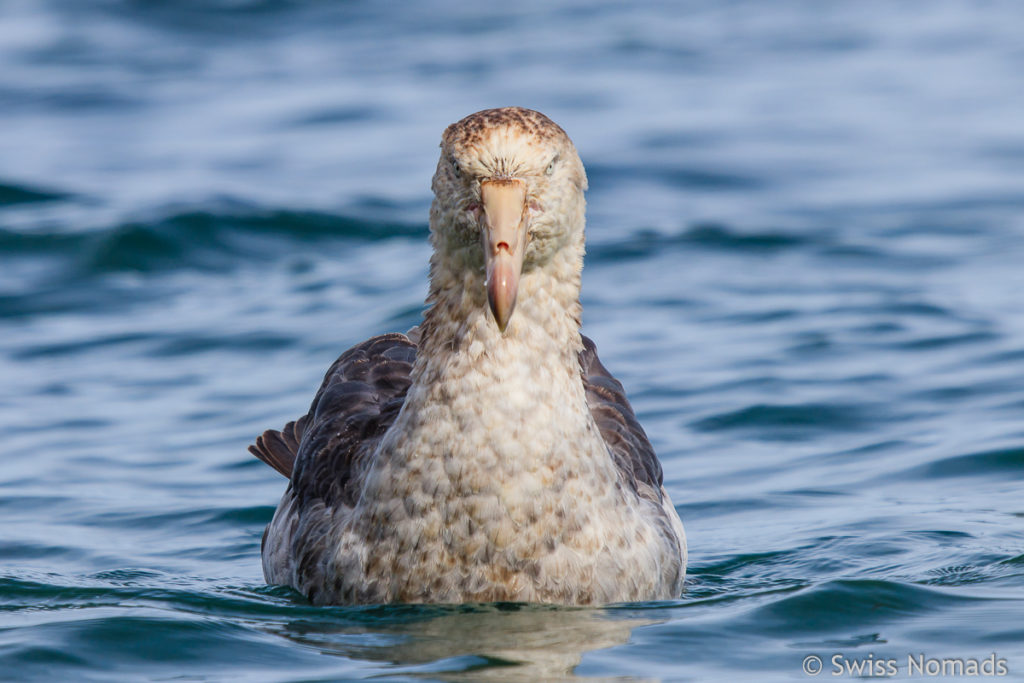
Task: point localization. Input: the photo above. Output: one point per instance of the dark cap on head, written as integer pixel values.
(470, 131)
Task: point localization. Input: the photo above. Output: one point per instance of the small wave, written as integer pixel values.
(788, 421)
(721, 237)
(20, 194)
(251, 342)
(178, 520)
(15, 551)
(200, 239)
(32, 591)
(330, 116)
(203, 238)
(715, 236)
(904, 309)
(692, 178)
(941, 342)
(78, 346)
(838, 606)
(1005, 464)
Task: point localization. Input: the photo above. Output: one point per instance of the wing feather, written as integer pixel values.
(362, 392)
(627, 442)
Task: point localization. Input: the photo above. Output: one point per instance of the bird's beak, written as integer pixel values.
(504, 242)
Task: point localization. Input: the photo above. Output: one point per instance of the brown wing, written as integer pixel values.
(630, 449)
(278, 448)
(358, 400)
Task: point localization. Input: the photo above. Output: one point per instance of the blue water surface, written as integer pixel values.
(804, 263)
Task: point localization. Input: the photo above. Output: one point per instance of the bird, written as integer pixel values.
(487, 455)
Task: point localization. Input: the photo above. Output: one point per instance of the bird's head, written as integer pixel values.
(508, 199)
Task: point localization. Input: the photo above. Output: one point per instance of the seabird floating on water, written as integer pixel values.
(488, 455)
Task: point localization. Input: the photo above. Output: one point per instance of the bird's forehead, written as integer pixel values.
(514, 126)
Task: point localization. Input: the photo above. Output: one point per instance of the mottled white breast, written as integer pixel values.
(494, 486)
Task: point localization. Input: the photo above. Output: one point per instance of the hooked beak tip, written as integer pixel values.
(504, 243)
(502, 287)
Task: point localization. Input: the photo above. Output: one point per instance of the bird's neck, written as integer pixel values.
(488, 407)
(498, 413)
(459, 333)
(525, 381)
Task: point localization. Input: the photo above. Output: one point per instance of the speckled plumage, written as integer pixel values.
(471, 464)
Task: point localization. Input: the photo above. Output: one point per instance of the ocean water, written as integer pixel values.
(805, 264)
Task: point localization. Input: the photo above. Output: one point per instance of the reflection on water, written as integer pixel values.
(505, 642)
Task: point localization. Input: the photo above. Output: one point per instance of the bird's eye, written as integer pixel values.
(551, 167)
(456, 169)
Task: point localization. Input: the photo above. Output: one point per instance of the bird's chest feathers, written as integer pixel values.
(491, 441)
